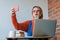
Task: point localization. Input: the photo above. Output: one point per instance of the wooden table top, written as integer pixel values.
(32, 37)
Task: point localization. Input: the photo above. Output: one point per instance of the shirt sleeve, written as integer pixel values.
(20, 26)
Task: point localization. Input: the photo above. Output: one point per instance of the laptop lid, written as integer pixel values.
(44, 27)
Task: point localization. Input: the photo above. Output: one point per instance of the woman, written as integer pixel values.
(28, 25)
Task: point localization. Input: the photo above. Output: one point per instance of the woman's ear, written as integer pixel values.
(41, 16)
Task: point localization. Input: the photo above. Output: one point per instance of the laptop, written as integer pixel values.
(44, 27)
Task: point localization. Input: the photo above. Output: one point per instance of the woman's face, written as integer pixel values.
(36, 13)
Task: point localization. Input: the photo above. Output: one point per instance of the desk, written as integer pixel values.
(31, 38)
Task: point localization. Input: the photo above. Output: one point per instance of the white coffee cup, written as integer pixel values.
(12, 34)
(17, 33)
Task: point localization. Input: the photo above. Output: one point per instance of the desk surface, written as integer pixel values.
(32, 37)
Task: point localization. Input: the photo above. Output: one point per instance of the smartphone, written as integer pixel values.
(16, 8)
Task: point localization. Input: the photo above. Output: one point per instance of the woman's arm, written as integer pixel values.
(14, 21)
(19, 26)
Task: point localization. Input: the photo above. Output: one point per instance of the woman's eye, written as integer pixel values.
(33, 11)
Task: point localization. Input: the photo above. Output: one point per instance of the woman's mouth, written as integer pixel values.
(36, 14)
